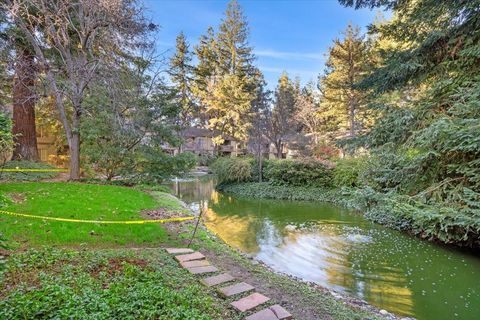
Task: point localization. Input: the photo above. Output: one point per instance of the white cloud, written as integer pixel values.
(289, 55)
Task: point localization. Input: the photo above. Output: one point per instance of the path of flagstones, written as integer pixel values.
(246, 299)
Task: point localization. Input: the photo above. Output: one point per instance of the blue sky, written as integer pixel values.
(286, 35)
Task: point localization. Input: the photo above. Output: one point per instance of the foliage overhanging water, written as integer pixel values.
(342, 251)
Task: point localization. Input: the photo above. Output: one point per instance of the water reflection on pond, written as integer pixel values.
(343, 251)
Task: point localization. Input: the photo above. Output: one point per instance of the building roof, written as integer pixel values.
(192, 132)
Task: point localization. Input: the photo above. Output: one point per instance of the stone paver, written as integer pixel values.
(189, 257)
(178, 250)
(280, 312)
(195, 263)
(265, 314)
(200, 270)
(250, 302)
(235, 289)
(216, 280)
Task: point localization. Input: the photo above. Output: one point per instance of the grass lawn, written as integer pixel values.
(80, 201)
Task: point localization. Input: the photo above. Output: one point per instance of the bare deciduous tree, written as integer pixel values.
(307, 113)
(71, 39)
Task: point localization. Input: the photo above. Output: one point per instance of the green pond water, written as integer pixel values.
(343, 251)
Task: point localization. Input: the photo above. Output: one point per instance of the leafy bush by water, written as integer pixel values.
(230, 170)
(301, 172)
(348, 171)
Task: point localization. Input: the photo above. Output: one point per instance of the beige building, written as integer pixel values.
(199, 141)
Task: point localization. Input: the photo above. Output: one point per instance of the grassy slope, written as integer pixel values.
(80, 201)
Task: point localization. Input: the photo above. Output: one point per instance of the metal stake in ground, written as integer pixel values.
(196, 225)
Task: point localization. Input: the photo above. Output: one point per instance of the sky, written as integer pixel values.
(287, 35)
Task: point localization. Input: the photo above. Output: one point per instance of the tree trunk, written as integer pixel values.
(352, 117)
(259, 158)
(24, 98)
(74, 145)
(278, 146)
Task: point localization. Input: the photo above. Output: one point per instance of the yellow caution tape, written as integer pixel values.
(97, 221)
(33, 170)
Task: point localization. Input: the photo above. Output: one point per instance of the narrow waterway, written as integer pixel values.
(342, 251)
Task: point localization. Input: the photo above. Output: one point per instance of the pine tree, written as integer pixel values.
(343, 103)
(229, 108)
(205, 72)
(225, 78)
(234, 53)
(181, 76)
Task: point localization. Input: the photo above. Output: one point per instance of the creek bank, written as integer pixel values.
(400, 212)
(305, 300)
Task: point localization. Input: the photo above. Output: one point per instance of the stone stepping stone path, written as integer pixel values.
(275, 312)
(196, 263)
(235, 289)
(216, 280)
(189, 257)
(179, 250)
(200, 270)
(250, 302)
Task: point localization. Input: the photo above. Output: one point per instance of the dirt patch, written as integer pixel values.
(160, 213)
(13, 279)
(117, 265)
(17, 197)
(60, 177)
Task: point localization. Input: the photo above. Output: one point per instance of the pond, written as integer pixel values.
(343, 251)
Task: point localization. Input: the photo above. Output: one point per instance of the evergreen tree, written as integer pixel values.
(342, 102)
(24, 99)
(205, 72)
(181, 76)
(19, 90)
(225, 78)
(234, 52)
(229, 108)
(427, 143)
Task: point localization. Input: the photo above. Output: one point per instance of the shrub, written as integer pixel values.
(6, 138)
(301, 172)
(230, 170)
(155, 166)
(206, 159)
(347, 172)
(3, 246)
(27, 176)
(400, 170)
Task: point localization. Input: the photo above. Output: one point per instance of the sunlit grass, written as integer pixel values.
(80, 201)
